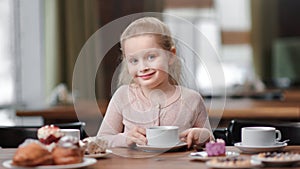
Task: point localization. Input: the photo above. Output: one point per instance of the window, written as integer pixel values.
(203, 40)
(7, 82)
(6, 54)
(21, 59)
(228, 31)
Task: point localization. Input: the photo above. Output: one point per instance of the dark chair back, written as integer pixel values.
(289, 130)
(221, 133)
(13, 136)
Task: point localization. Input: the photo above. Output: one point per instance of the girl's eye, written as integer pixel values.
(151, 57)
(133, 61)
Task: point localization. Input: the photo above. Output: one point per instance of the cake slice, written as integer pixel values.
(49, 134)
(95, 145)
(215, 148)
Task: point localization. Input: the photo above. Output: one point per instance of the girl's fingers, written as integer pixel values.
(138, 141)
(184, 133)
(139, 138)
(141, 131)
(186, 137)
(132, 140)
(183, 139)
(196, 139)
(136, 135)
(189, 139)
(192, 137)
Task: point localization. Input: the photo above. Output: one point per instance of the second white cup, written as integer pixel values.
(260, 136)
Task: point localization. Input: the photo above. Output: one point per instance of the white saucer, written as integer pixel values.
(158, 148)
(258, 149)
(99, 155)
(202, 155)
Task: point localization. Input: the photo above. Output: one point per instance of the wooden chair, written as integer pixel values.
(13, 136)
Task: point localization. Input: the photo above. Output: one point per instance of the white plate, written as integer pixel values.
(277, 161)
(99, 155)
(155, 148)
(202, 155)
(86, 162)
(258, 149)
(214, 165)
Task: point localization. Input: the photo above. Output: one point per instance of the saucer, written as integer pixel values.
(202, 155)
(160, 148)
(258, 149)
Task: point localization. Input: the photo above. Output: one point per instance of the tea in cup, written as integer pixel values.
(260, 136)
(162, 136)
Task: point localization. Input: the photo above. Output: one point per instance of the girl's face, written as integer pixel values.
(147, 62)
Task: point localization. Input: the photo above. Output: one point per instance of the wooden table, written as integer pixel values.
(255, 109)
(132, 159)
(286, 108)
(243, 108)
(65, 113)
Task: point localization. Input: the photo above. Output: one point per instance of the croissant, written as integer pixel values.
(32, 154)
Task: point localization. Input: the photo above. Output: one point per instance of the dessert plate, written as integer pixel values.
(253, 164)
(86, 162)
(99, 155)
(258, 149)
(289, 160)
(158, 148)
(202, 155)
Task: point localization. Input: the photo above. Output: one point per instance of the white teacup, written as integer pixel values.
(71, 132)
(260, 136)
(162, 136)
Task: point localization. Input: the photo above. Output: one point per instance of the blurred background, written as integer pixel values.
(257, 41)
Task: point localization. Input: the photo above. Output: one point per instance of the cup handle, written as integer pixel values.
(278, 138)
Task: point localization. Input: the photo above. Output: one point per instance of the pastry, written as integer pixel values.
(49, 134)
(215, 148)
(32, 154)
(234, 162)
(67, 151)
(279, 156)
(95, 145)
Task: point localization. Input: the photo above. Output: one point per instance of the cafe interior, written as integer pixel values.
(60, 60)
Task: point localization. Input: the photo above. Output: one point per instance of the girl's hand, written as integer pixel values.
(136, 135)
(197, 136)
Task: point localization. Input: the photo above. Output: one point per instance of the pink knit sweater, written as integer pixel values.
(129, 107)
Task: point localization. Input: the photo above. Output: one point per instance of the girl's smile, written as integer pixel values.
(146, 76)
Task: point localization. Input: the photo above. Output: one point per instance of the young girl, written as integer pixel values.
(151, 95)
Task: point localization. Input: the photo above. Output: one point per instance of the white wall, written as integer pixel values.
(234, 14)
(32, 54)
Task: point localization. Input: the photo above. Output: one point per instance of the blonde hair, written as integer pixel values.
(144, 26)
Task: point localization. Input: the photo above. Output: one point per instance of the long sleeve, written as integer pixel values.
(195, 103)
(112, 126)
(202, 119)
(201, 115)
